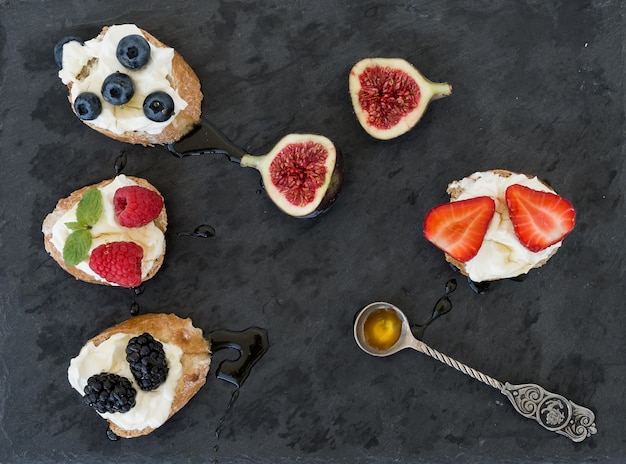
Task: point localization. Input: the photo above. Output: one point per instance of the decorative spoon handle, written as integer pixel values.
(424, 348)
(554, 412)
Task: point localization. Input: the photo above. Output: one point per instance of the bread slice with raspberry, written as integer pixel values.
(107, 232)
(188, 356)
(507, 248)
(85, 67)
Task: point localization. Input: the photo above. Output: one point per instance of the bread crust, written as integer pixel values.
(65, 204)
(185, 81)
(456, 192)
(168, 328)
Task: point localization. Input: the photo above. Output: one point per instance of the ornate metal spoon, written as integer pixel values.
(381, 329)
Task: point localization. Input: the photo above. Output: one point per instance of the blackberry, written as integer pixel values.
(107, 392)
(147, 361)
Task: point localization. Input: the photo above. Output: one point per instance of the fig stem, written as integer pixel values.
(250, 161)
(440, 90)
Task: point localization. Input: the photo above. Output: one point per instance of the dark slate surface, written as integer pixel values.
(538, 88)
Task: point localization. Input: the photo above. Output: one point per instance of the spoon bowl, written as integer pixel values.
(404, 340)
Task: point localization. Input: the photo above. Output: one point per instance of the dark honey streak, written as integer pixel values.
(450, 286)
(483, 287)
(111, 435)
(202, 231)
(442, 306)
(480, 287)
(134, 306)
(231, 402)
(218, 428)
(206, 139)
(120, 163)
(251, 344)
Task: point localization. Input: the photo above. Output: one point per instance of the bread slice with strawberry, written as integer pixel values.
(140, 372)
(499, 224)
(109, 233)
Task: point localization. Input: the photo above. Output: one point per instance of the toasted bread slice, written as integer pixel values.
(65, 204)
(455, 191)
(195, 359)
(183, 80)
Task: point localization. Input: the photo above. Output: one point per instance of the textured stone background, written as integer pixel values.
(538, 88)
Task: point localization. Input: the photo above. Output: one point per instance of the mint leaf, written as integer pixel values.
(89, 207)
(74, 225)
(76, 247)
(88, 212)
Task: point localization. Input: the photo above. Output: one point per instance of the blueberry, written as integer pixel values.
(133, 51)
(58, 48)
(118, 89)
(87, 106)
(158, 106)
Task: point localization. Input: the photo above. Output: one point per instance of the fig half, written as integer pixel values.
(390, 96)
(302, 174)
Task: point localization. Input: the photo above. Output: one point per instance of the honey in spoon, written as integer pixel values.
(382, 328)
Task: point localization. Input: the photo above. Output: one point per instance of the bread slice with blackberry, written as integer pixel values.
(128, 85)
(108, 371)
(109, 233)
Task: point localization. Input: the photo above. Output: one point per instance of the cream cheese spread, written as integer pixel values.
(86, 66)
(107, 229)
(152, 408)
(501, 255)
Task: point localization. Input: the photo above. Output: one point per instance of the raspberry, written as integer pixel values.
(136, 206)
(118, 263)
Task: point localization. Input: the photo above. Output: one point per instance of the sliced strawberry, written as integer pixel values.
(458, 228)
(540, 219)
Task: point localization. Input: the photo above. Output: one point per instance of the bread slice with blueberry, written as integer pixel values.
(139, 373)
(128, 85)
(109, 233)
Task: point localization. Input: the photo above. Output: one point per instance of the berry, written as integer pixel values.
(58, 48)
(118, 263)
(458, 228)
(107, 392)
(118, 88)
(133, 51)
(158, 107)
(136, 206)
(540, 219)
(147, 361)
(87, 106)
